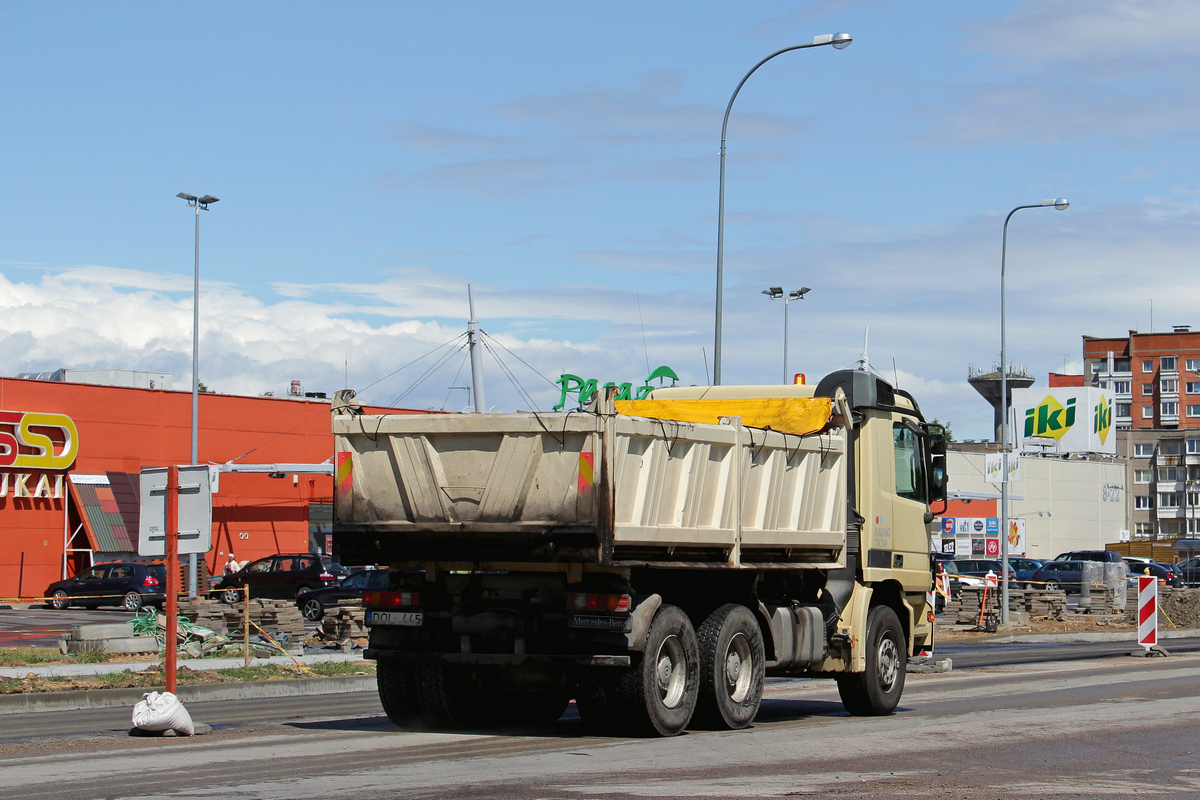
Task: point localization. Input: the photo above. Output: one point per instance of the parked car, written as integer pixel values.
(1065, 575)
(948, 565)
(1169, 573)
(980, 567)
(118, 583)
(1190, 570)
(334, 568)
(1024, 567)
(282, 576)
(1090, 555)
(313, 603)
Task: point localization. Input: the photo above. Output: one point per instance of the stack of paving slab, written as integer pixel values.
(967, 609)
(347, 621)
(205, 611)
(273, 616)
(1048, 603)
(1105, 599)
(107, 638)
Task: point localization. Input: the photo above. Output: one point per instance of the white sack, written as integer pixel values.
(162, 712)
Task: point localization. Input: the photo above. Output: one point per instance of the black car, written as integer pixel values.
(1169, 573)
(313, 604)
(980, 567)
(118, 583)
(283, 576)
(1090, 555)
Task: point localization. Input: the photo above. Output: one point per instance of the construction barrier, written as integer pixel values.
(1147, 612)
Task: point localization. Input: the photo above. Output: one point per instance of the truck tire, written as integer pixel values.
(448, 697)
(658, 695)
(732, 668)
(396, 692)
(876, 692)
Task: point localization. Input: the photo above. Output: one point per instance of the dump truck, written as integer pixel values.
(653, 560)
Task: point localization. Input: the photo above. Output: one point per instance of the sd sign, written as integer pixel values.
(32, 440)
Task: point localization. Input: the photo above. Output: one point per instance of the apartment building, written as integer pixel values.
(1155, 380)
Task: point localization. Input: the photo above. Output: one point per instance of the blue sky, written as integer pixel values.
(374, 158)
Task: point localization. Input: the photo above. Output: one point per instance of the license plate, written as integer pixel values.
(411, 619)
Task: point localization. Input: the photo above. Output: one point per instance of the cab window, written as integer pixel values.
(910, 469)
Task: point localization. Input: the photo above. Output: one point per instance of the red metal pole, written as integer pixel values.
(172, 587)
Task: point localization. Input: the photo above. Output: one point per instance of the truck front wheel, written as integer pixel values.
(732, 668)
(660, 692)
(876, 692)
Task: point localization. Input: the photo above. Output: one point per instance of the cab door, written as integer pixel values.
(910, 502)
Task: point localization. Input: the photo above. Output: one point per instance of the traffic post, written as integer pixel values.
(1147, 611)
(172, 603)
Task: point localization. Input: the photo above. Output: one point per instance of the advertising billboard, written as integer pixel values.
(1070, 419)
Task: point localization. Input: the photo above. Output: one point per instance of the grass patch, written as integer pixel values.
(23, 656)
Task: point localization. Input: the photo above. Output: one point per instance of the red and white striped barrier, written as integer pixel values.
(1147, 611)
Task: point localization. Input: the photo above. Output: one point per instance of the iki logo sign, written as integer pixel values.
(1050, 418)
(1102, 418)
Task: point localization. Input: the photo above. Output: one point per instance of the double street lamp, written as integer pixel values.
(1061, 205)
(777, 293)
(200, 204)
(839, 41)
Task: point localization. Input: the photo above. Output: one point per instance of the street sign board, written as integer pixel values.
(195, 511)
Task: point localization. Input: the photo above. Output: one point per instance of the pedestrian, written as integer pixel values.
(232, 565)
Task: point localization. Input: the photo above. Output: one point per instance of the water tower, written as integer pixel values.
(987, 383)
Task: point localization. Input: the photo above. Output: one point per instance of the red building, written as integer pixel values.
(71, 453)
(1154, 377)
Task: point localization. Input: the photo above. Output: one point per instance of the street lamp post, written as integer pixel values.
(200, 204)
(777, 293)
(840, 41)
(1060, 204)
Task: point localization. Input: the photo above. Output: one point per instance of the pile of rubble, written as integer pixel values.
(1178, 606)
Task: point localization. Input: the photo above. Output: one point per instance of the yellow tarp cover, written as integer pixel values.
(798, 415)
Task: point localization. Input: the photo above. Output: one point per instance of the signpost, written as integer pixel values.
(176, 517)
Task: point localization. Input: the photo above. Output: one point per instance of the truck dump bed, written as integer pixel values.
(586, 487)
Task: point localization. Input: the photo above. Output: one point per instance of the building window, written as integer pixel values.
(1193, 387)
(1143, 449)
(1123, 409)
(1125, 387)
(1169, 499)
(1193, 364)
(1171, 447)
(1193, 410)
(1170, 528)
(1142, 502)
(1147, 389)
(1143, 529)
(1169, 363)
(1142, 475)
(1168, 386)
(1170, 408)
(1122, 365)
(1193, 446)
(1147, 365)
(1147, 412)
(1169, 474)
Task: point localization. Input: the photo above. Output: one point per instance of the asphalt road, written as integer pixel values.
(43, 627)
(1113, 727)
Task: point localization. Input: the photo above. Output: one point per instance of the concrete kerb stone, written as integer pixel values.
(104, 668)
(1128, 635)
(194, 693)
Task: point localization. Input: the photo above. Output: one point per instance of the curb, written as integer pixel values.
(196, 693)
(1128, 634)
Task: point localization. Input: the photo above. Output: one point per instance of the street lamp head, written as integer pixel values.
(191, 198)
(208, 198)
(774, 292)
(841, 40)
(1059, 203)
(803, 291)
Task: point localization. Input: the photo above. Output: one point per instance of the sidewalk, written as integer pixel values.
(106, 667)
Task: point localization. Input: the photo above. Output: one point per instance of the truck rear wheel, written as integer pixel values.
(660, 692)
(448, 696)
(732, 668)
(876, 692)
(396, 692)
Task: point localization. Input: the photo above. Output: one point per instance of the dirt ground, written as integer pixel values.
(1072, 623)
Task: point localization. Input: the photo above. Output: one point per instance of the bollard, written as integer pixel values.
(1147, 611)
